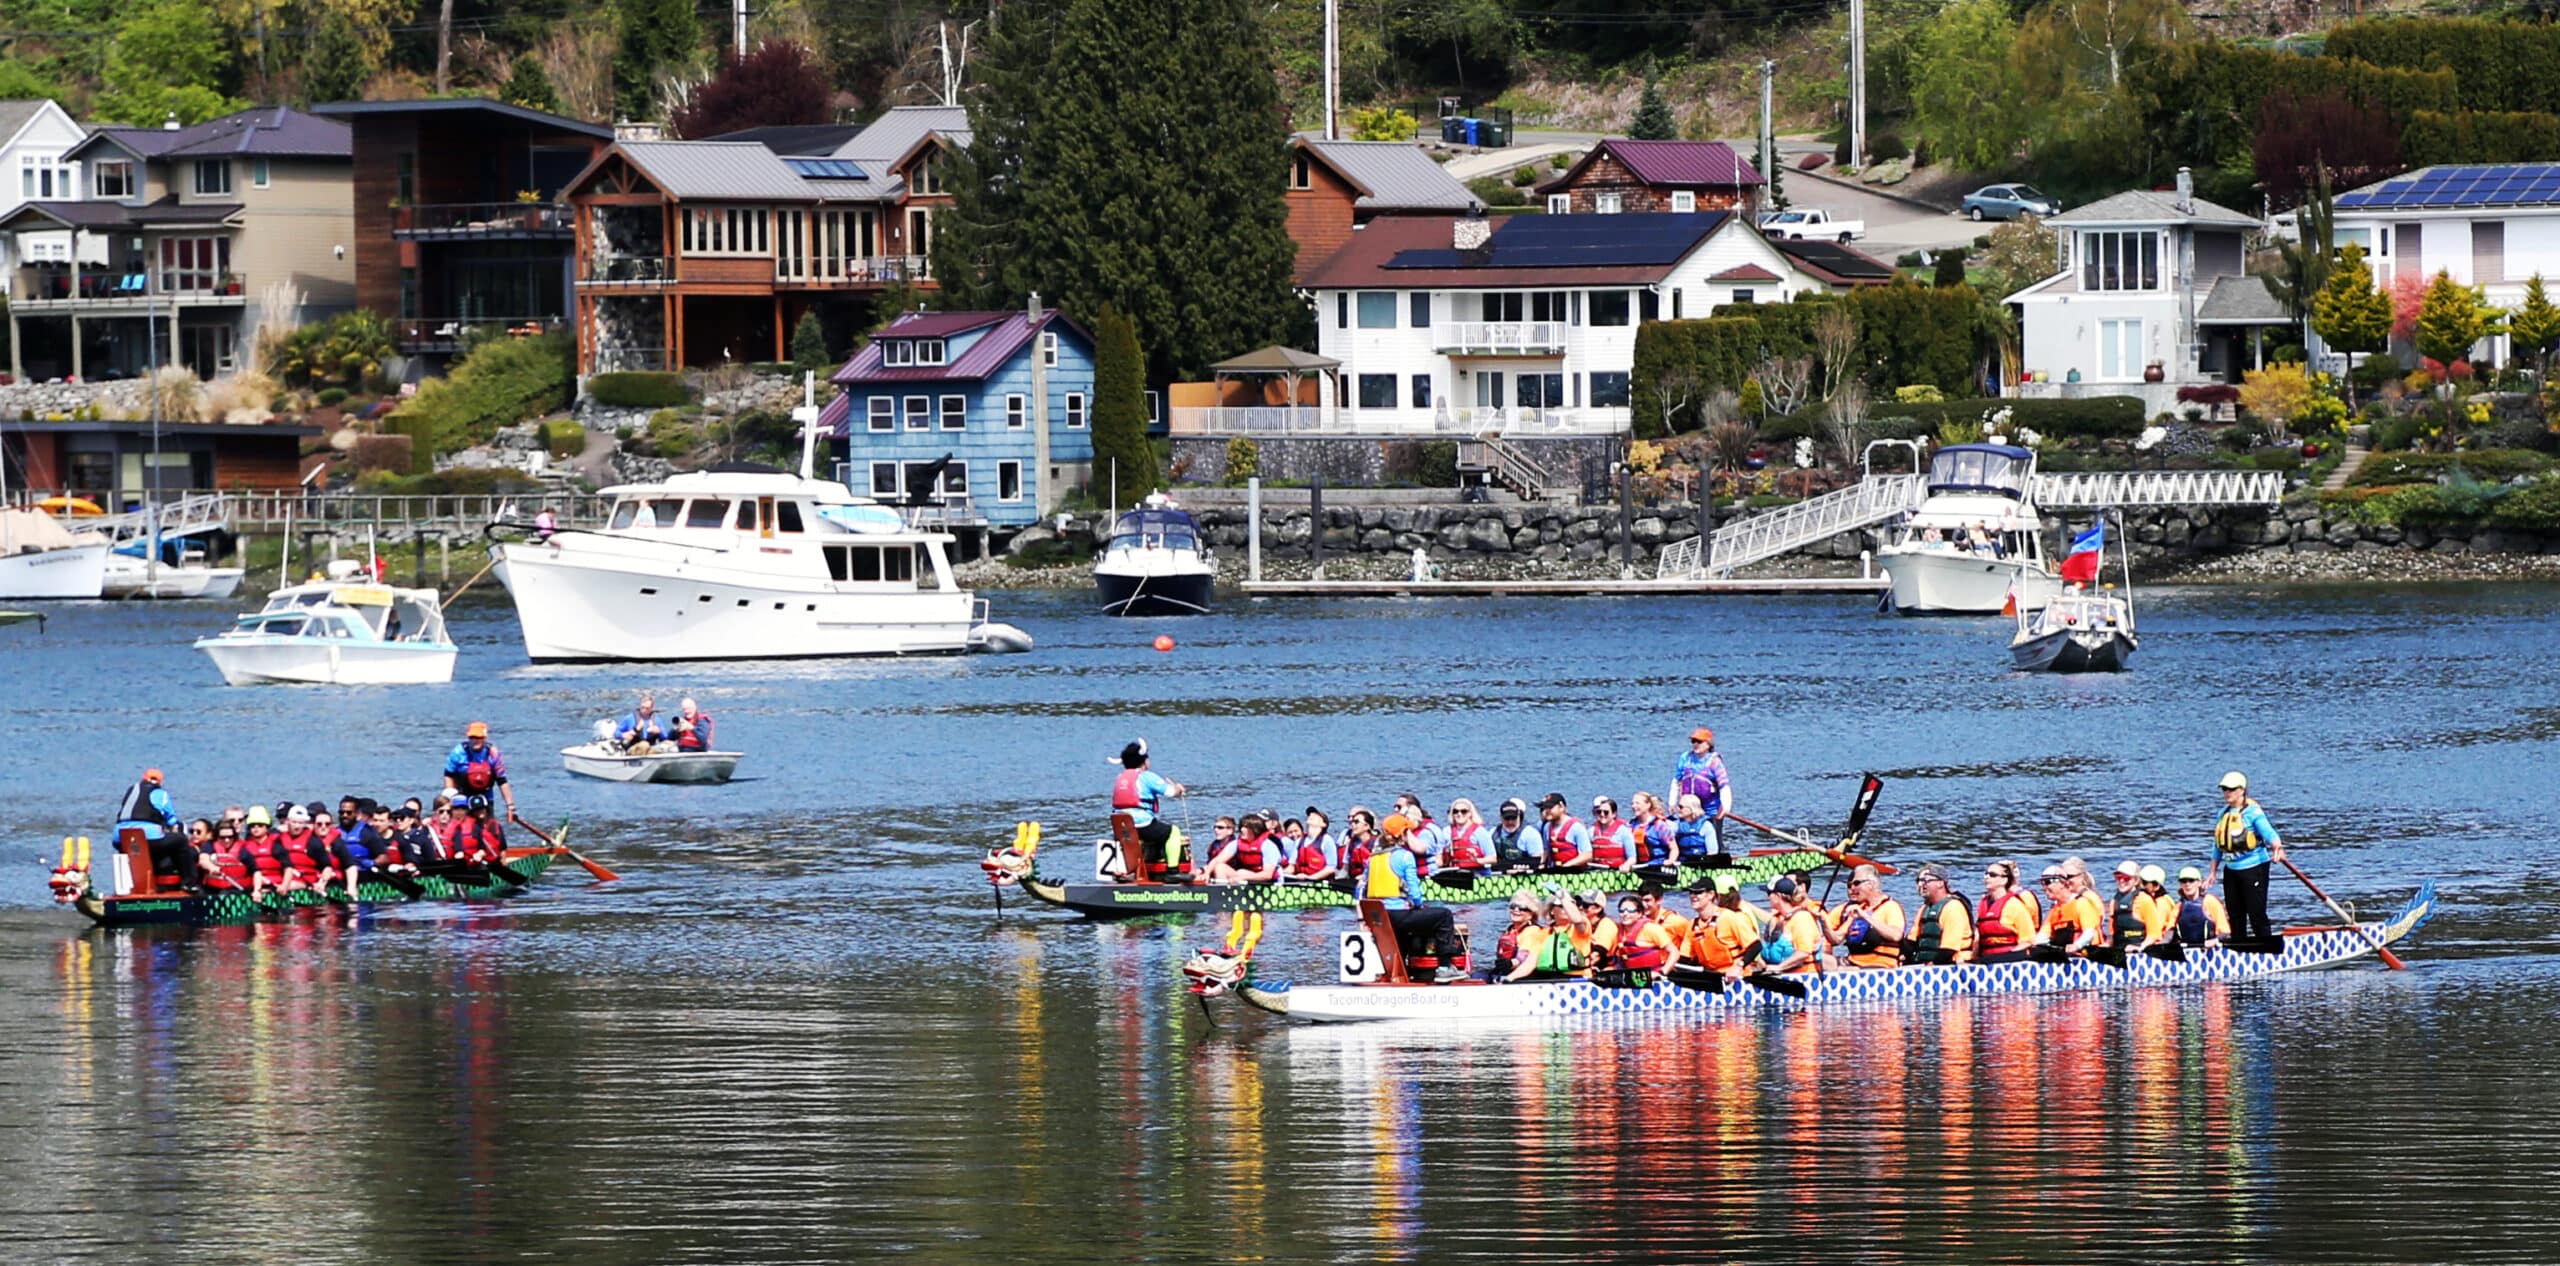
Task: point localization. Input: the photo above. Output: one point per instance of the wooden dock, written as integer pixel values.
(1595, 588)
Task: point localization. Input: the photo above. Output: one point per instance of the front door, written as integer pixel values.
(1489, 390)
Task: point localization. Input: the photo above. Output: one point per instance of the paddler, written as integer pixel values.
(1568, 842)
(1517, 846)
(1796, 943)
(1701, 773)
(2157, 910)
(475, 768)
(2201, 920)
(262, 853)
(1943, 934)
(1657, 845)
(2008, 921)
(1425, 829)
(1466, 842)
(1672, 921)
(1871, 925)
(1692, 832)
(2124, 916)
(1524, 919)
(1604, 933)
(1139, 792)
(2244, 842)
(2075, 920)
(692, 726)
(1613, 842)
(1561, 950)
(146, 819)
(1252, 857)
(1393, 878)
(1726, 936)
(1644, 947)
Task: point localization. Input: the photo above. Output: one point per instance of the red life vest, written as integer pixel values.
(697, 739)
(474, 840)
(306, 853)
(1560, 849)
(1124, 789)
(1990, 935)
(1249, 851)
(480, 768)
(222, 868)
(1636, 957)
(1612, 844)
(1356, 853)
(1310, 858)
(1464, 852)
(265, 855)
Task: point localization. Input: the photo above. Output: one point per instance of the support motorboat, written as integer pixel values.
(2081, 631)
(607, 758)
(1154, 564)
(339, 632)
(1975, 544)
(40, 558)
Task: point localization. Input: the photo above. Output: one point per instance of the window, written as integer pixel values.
(1049, 349)
(1677, 294)
(2120, 261)
(929, 351)
(1016, 409)
(884, 480)
(954, 486)
(747, 514)
(919, 412)
(1377, 391)
(2345, 237)
(114, 178)
(1342, 311)
(2119, 350)
(1008, 481)
(1377, 310)
(955, 413)
(663, 513)
(1744, 294)
(213, 175)
(1422, 391)
(1547, 305)
(1501, 305)
(1418, 310)
(789, 518)
(1608, 307)
(405, 178)
(1607, 203)
(706, 513)
(44, 176)
(1648, 306)
(1075, 410)
(897, 352)
(884, 414)
(194, 263)
(1608, 390)
(1541, 391)
(1302, 171)
(624, 512)
(1684, 200)
(728, 231)
(1559, 204)
(258, 173)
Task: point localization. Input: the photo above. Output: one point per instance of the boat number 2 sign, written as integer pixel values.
(1108, 864)
(1360, 963)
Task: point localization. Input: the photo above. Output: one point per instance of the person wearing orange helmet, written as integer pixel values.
(475, 768)
(1393, 878)
(1701, 773)
(146, 809)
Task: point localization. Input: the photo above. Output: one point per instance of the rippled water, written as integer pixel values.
(795, 1032)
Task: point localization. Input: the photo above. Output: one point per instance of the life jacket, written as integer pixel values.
(1705, 780)
(2195, 923)
(1124, 790)
(1636, 956)
(1655, 846)
(306, 853)
(1249, 851)
(1506, 952)
(1310, 858)
(1924, 939)
(139, 809)
(1560, 955)
(1990, 935)
(697, 739)
(2067, 921)
(480, 768)
(2127, 921)
(222, 867)
(1560, 847)
(1863, 941)
(1381, 882)
(475, 840)
(1690, 838)
(2233, 836)
(264, 855)
(1508, 852)
(1464, 852)
(1613, 843)
(1356, 851)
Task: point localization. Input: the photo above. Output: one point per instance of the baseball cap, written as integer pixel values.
(1724, 881)
(2055, 872)
(1550, 799)
(2234, 779)
(1589, 898)
(2190, 872)
(1784, 887)
(1558, 898)
(2129, 869)
(1516, 805)
(1702, 735)
(297, 814)
(2154, 875)
(477, 729)
(150, 775)
(1396, 824)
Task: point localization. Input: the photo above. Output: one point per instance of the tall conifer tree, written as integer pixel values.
(1122, 458)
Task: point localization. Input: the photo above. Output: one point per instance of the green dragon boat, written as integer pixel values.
(211, 909)
(1123, 901)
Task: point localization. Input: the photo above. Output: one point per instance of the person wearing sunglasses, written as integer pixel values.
(1466, 843)
(1517, 846)
(2005, 923)
(1943, 935)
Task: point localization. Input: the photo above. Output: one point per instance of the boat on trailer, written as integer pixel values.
(1382, 996)
(1102, 899)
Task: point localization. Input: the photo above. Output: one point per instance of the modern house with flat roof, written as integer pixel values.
(458, 220)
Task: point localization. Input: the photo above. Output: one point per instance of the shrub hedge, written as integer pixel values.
(499, 383)
(638, 389)
(2490, 465)
(2088, 417)
(563, 438)
(1908, 335)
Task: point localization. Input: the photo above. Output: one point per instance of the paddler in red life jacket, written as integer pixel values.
(1466, 849)
(262, 854)
(1434, 836)
(220, 862)
(475, 768)
(1568, 842)
(1613, 842)
(1643, 945)
(1252, 857)
(477, 837)
(1311, 855)
(2008, 920)
(1393, 878)
(306, 851)
(1139, 792)
(1361, 842)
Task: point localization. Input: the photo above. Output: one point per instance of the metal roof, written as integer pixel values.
(2154, 206)
(1744, 272)
(98, 216)
(724, 171)
(260, 131)
(895, 132)
(991, 352)
(2241, 300)
(1275, 360)
(2446, 188)
(795, 140)
(1578, 241)
(1412, 252)
(471, 105)
(1706, 164)
(1393, 176)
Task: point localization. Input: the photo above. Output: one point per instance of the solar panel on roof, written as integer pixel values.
(824, 168)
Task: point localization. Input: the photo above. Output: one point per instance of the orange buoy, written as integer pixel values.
(1164, 641)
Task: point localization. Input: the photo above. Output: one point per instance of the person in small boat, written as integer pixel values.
(1642, 944)
(1702, 773)
(692, 727)
(146, 810)
(1361, 842)
(1524, 919)
(2200, 919)
(1943, 934)
(1252, 856)
(1517, 846)
(1613, 842)
(475, 768)
(1798, 939)
(640, 730)
(1568, 841)
(2244, 843)
(2076, 921)
(1466, 839)
(1393, 878)
(1563, 949)
(1657, 842)
(1139, 791)
(2007, 921)
(1871, 925)
(1649, 895)
(1693, 834)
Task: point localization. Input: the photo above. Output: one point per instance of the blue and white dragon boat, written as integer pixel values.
(1557, 1003)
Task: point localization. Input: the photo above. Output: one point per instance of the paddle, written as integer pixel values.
(1776, 984)
(593, 868)
(402, 883)
(2389, 959)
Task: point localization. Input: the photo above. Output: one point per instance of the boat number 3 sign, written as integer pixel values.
(1360, 957)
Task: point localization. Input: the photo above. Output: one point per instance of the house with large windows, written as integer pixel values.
(178, 238)
(951, 406)
(36, 138)
(2494, 226)
(2151, 293)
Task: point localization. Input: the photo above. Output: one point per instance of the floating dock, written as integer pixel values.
(1598, 588)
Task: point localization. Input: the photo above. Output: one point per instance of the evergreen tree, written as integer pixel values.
(2451, 318)
(2348, 313)
(1124, 463)
(335, 66)
(2533, 328)
(529, 85)
(657, 36)
(809, 344)
(2302, 265)
(1949, 270)
(1127, 154)
(1653, 117)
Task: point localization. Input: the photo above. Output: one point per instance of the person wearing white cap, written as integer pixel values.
(1524, 919)
(2156, 908)
(2244, 841)
(2124, 919)
(2201, 920)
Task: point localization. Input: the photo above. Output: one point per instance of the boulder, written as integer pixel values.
(1487, 535)
(1376, 539)
(2449, 546)
(2343, 533)
(1649, 531)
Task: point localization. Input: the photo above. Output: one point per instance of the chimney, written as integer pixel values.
(1032, 310)
(170, 124)
(2186, 191)
(1469, 232)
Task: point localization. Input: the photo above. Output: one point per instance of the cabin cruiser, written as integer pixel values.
(742, 562)
(40, 558)
(338, 632)
(1975, 545)
(1154, 564)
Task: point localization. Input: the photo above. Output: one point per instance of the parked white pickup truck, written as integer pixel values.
(1811, 223)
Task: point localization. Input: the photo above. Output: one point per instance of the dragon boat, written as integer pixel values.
(232, 906)
(1126, 900)
(1382, 996)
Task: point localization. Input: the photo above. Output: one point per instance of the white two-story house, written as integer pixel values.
(1461, 326)
(2151, 293)
(2493, 226)
(36, 139)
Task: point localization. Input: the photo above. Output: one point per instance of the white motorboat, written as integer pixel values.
(1154, 564)
(133, 576)
(184, 533)
(608, 761)
(337, 633)
(40, 558)
(1975, 544)
(740, 562)
(2081, 631)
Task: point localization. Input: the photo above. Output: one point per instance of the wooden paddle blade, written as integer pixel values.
(1852, 859)
(1773, 852)
(604, 875)
(1777, 984)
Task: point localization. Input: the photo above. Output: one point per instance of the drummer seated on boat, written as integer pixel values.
(640, 731)
(1393, 878)
(692, 726)
(1250, 855)
(1871, 925)
(1139, 792)
(2200, 919)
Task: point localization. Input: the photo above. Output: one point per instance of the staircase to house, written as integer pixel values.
(1509, 467)
(2346, 469)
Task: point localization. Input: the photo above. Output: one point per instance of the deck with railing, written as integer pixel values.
(441, 221)
(448, 334)
(40, 289)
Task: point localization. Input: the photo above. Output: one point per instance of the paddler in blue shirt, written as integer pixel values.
(1139, 792)
(2244, 842)
(1393, 878)
(1701, 773)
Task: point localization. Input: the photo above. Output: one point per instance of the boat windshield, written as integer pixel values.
(1155, 529)
(1993, 468)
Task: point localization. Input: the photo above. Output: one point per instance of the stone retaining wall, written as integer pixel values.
(43, 400)
(1372, 460)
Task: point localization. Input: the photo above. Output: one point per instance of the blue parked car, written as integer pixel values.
(2008, 202)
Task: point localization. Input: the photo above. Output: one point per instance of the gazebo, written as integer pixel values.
(1288, 368)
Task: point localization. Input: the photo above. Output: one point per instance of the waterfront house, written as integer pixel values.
(458, 219)
(2494, 226)
(694, 253)
(36, 138)
(2151, 292)
(113, 462)
(961, 385)
(183, 231)
(1620, 176)
(1337, 186)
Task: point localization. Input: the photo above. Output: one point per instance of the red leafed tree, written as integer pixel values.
(2299, 133)
(779, 84)
(2408, 294)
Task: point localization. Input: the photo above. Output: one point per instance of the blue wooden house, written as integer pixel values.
(959, 384)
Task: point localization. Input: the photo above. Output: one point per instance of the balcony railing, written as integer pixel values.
(481, 219)
(858, 270)
(1310, 420)
(448, 334)
(1499, 338)
(626, 270)
(111, 288)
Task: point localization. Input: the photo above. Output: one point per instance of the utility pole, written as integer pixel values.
(737, 30)
(444, 46)
(1332, 68)
(1768, 133)
(1857, 83)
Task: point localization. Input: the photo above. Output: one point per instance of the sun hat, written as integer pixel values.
(1702, 735)
(2190, 872)
(2154, 875)
(2234, 781)
(1525, 901)
(258, 814)
(477, 729)
(2129, 869)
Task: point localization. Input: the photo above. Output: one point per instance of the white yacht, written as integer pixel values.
(339, 632)
(1975, 545)
(1154, 564)
(190, 576)
(40, 558)
(741, 562)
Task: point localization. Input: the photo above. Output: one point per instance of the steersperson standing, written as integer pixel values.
(1139, 792)
(2244, 842)
(1701, 773)
(474, 767)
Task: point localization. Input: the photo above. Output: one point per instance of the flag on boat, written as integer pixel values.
(2009, 600)
(2080, 566)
